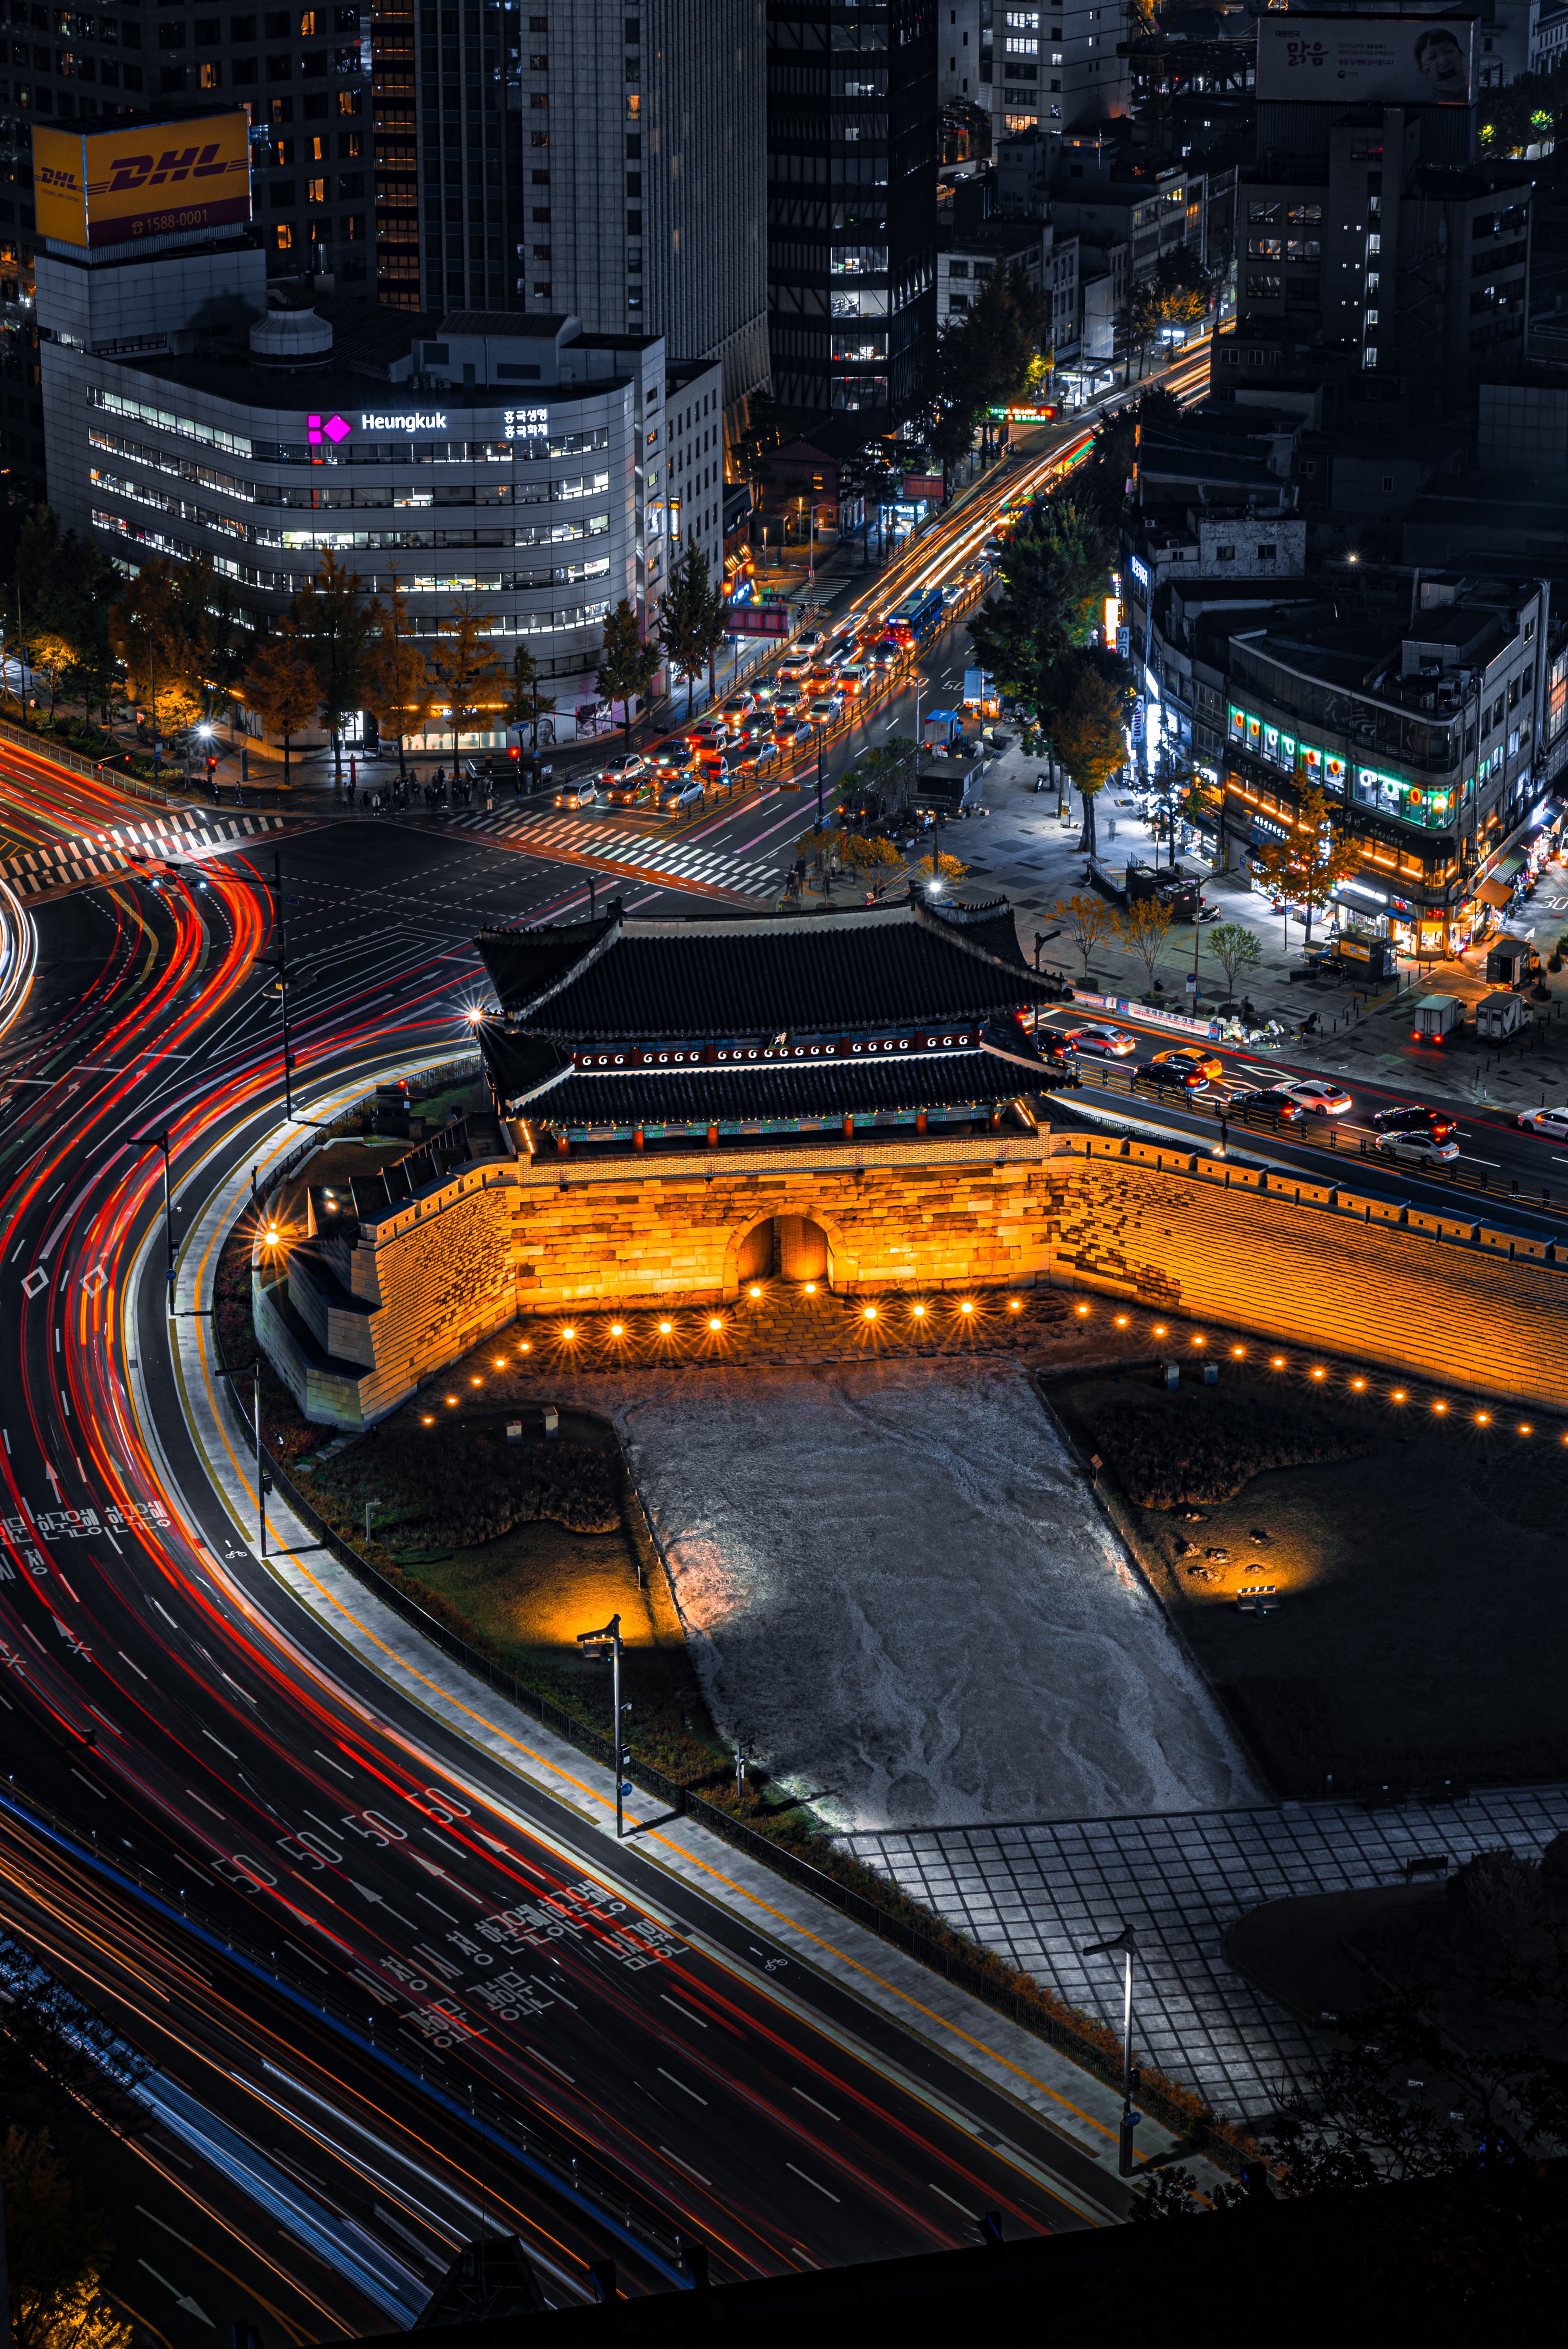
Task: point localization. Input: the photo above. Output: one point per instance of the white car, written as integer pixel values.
(1323, 1100)
(1421, 1149)
(1551, 1122)
(1110, 1043)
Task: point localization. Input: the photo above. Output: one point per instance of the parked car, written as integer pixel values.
(1420, 1144)
(1551, 1122)
(1266, 1101)
(1105, 1043)
(1209, 1065)
(1168, 1077)
(1319, 1095)
(1416, 1117)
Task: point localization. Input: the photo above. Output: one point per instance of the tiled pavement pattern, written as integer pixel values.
(1038, 1894)
(682, 860)
(104, 855)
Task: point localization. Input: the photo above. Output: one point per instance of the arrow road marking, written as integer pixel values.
(182, 2299)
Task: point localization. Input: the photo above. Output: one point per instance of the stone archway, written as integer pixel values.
(804, 1249)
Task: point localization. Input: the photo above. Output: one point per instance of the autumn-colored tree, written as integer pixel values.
(1144, 929)
(159, 633)
(1087, 734)
(398, 689)
(1086, 920)
(1306, 869)
(281, 686)
(470, 683)
(56, 2252)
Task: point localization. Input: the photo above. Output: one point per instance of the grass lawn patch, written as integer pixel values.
(1416, 1557)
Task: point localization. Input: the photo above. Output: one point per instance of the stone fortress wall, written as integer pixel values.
(356, 1331)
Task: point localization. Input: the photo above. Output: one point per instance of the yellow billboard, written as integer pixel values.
(114, 186)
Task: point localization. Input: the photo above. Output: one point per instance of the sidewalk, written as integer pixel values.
(795, 1928)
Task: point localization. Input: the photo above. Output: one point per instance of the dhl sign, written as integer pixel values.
(114, 186)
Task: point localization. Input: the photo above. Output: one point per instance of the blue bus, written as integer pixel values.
(919, 615)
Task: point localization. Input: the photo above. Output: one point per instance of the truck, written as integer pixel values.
(1512, 962)
(1360, 954)
(1501, 1014)
(949, 788)
(1438, 1016)
(918, 617)
(939, 728)
(980, 692)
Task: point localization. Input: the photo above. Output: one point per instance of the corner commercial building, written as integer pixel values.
(429, 157)
(854, 141)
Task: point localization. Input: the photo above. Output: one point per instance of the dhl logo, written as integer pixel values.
(51, 178)
(189, 163)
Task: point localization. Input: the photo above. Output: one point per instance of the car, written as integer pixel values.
(1105, 1043)
(1266, 1101)
(635, 791)
(809, 640)
(951, 593)
(1419, 1143)
(1416, 1117)
(827, 705)
(757, 756)
(686, 792)
(790, 732)
(794, 671)
(616, 771)
(1324, 1099)
(738, 705)
(579, 795)
(1168, 1077)
(709, 734)
(1552, 1122)
(1207, 1064)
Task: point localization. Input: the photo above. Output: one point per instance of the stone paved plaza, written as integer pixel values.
(1038, 1893)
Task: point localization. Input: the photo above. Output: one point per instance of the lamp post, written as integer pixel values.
(160, 1141)
(1123, 1947)
(607, 1642)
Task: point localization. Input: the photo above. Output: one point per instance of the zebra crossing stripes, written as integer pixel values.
(677, 860)
(107, 856)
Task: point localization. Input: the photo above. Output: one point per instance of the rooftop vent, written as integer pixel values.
(291, 341)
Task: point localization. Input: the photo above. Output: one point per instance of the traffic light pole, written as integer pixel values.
(598, 1643)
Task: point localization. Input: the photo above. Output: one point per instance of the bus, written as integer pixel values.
(919, 615)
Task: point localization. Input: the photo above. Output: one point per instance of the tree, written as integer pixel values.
(1144, 929)
(527, 701)
(335, 625)
(1306, 869)
(397, 687)
(160, 631)
(1086, 920)
(470, 681)
(986, 359)
(56, 2252)
(1236, 949)
(281, 686)
(1055, 570)
(693, 620)
(626, 664)
(1087, 733)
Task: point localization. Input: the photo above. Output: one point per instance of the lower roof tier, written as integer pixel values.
(971, 1080)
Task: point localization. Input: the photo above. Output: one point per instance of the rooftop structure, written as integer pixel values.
(613, 1032)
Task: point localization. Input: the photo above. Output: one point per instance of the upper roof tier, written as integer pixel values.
(762, 976)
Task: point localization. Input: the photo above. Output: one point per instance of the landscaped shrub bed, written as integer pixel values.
(466, 1484)
(1178, 1448)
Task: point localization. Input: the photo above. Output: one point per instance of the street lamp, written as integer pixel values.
(1123, 1946)
(161, 1142)
(607, 1642)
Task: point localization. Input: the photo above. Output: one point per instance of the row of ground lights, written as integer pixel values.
(1357, 1385)
(717, 1324)
(524, 1347)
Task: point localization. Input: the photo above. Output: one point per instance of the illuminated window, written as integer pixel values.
(210, 76)
(316, 191)
(282, 236)
(307, 24)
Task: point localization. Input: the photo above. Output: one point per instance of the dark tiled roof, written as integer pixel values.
(816, 973)
(662, 1097)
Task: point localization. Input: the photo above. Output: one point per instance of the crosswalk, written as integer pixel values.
(678, 861)
(180, 833)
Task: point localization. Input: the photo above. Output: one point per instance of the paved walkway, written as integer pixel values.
(1039, 1893)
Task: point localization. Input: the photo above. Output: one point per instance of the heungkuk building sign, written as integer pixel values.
(518, 424)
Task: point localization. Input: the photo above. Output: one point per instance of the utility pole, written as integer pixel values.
(1123, 1947)
(607, 1642)
(280, 964)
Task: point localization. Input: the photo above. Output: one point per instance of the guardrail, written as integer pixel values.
(99, 770)
(1325, 1133)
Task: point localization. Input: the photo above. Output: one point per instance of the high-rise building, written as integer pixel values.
(642, 207)
(1055, 65)
(853, 139)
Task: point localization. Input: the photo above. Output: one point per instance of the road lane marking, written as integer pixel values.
(812, 2182)
(812, 2100)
